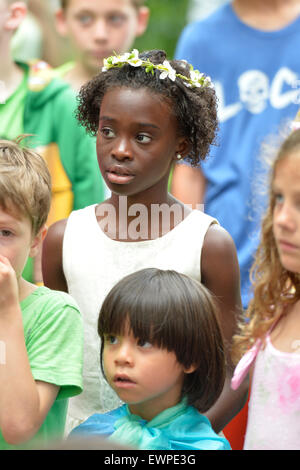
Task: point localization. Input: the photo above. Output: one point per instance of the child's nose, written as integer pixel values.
(124, 355)
(100, 30)
(284, 218)
(122, 150)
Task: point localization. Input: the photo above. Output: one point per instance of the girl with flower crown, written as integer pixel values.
(163, 360)
(147, 114)
(270, 340)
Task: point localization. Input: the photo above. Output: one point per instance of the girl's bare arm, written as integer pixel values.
(220, 274)
(52, 265)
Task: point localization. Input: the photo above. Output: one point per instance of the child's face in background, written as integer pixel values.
(286, 214)
(97, 28)
(147, 378)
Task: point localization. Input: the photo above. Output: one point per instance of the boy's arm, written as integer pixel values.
(24, 403)
(220, 274)
(188, 184)
(52, 264)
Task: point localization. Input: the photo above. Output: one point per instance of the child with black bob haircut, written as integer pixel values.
(147, 113)
(162, 352)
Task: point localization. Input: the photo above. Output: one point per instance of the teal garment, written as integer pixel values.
(180, 427)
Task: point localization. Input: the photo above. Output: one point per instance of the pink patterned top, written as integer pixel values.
(274, 406)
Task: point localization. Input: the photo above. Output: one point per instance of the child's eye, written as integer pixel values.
(85, 19)
(143, 138)
(144, 344)
(5, 233)
(116, 20)
(111, 339)
(107, 132)
(278, 198)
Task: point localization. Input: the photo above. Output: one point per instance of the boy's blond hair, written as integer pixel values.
(25, 182)
(135, 3)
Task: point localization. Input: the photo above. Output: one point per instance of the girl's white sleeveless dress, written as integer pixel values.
(94, 263)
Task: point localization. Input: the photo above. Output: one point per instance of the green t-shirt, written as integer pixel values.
(12, 112)
(53, 332)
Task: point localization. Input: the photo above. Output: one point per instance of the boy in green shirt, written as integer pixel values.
(33, 102)
(41, 333)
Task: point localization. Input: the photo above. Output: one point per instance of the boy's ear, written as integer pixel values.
(37, 241)
(17, 13)
(142, 20)
(60, 22)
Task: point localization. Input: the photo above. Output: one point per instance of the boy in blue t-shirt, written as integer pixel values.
(250, 51)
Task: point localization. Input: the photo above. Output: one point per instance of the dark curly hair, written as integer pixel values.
(195, 108)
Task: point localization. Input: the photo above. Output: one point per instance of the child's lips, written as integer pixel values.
(123, 381)
(100, 54)
(287, 246)
(119, 175)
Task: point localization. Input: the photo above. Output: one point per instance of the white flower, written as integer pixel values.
(196, 78)
(120, 58)
(131, 58)
(196, 75)
(208, 82)
(135, 62)
(106, 65)
(168, 71)
(135, 52)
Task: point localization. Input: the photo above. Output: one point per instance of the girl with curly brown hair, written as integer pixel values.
(273, 317)
(147, 113)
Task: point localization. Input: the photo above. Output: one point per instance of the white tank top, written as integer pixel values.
(93, 263)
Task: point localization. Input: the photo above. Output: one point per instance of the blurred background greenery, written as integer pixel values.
(167, 19)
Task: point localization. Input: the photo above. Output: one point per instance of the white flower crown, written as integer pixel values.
(196, 79)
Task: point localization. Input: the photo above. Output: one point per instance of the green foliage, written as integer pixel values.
(167, 19)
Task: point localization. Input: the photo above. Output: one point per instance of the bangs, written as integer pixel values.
(161, 307)
(144, 314)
